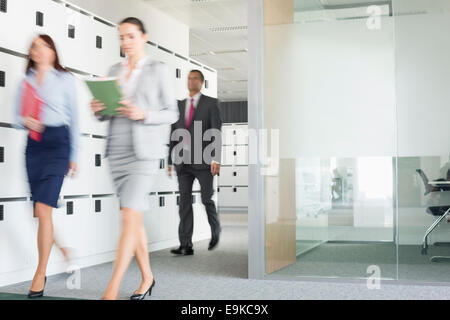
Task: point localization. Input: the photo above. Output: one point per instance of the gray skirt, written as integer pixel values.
(133, 178)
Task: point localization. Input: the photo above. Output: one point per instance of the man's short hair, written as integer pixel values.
(200, 73)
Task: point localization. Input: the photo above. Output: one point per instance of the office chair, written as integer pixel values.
(440, 212)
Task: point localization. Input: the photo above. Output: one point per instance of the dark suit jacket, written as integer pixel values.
(208, 113)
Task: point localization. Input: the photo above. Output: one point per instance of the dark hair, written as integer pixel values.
(51, 43)
(136, 22)
(200, 73)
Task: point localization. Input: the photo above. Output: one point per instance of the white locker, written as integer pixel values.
(87, 239)
(106, 217)
(101, 180)
(233, 196)
(241, 134)
(196, 185)
(229, 135)
(12, 168)
(152, 219)
(228, 155)
(155, 53)
(173, 218)
(104, 47)
(201, 225)
(72, 228)
(81, 183)
(163, 182)
(181, 78)
(241, 155)
(77, 43)
(12, 72)
(166, 212)
(36, 17)
(17, 236)
(233, 176)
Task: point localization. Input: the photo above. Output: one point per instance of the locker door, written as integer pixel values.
(101, 179)
(72, 229)
(12, 71)
(104, 47)
(18, 236)
(36, 17)
(241, 155)
(201, 225)
(240, 197)
(181, 73)
(241, 134)
(240, 175)
(171, 229)
(152, 219)
(225, 196)
(229, 154)
(12, 163)
(76, 40)
(105, 212)
(166, 208)
(154, 52)
(163, 182)
(229, 135)
(48, 19)
(81, 184)
(226, 176)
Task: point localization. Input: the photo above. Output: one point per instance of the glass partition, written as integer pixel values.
(358, 93)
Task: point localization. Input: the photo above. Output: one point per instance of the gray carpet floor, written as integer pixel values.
(222, 275)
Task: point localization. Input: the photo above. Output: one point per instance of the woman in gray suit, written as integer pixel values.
(136, 142)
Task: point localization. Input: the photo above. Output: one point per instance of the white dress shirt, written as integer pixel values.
(196, 98)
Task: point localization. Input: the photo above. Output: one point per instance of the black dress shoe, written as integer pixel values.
(213, 243)
(185, 251)
(136, 296)
(37, 294)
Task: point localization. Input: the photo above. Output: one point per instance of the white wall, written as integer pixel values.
(162, 29)
(329, 88)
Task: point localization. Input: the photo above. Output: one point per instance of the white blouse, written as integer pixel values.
(128, 86)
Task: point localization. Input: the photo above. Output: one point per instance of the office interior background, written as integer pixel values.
(359, 92)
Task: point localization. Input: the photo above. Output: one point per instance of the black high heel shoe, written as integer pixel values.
(37, 294)
(142, 296)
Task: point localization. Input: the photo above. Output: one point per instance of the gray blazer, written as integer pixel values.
(155, 94)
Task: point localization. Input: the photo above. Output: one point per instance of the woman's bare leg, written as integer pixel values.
(143, 260)
(44, 243)
(131, 222)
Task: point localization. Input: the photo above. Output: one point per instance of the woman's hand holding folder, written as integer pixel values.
(33, 124)
(97, 107)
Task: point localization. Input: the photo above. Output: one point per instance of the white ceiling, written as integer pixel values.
(226, 51)
(230, 58)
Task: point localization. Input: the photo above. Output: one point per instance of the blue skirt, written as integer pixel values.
(47, 162)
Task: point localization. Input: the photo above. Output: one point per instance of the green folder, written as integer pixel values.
(106, 91)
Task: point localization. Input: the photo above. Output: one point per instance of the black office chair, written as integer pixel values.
(440, 212)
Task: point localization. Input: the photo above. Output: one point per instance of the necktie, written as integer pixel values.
(190, 115)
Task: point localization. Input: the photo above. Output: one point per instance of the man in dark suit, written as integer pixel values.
(195, 151)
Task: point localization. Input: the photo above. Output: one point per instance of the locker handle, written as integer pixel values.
(2, 154)
(162, 202)
(69, 208)
(98, 160)
(234, 173)
(3, 6)
(2, 210)
(39, 19)
(98, 205)
(234, 189)
(2, 79)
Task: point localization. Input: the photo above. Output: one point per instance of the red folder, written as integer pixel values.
(31, 107)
